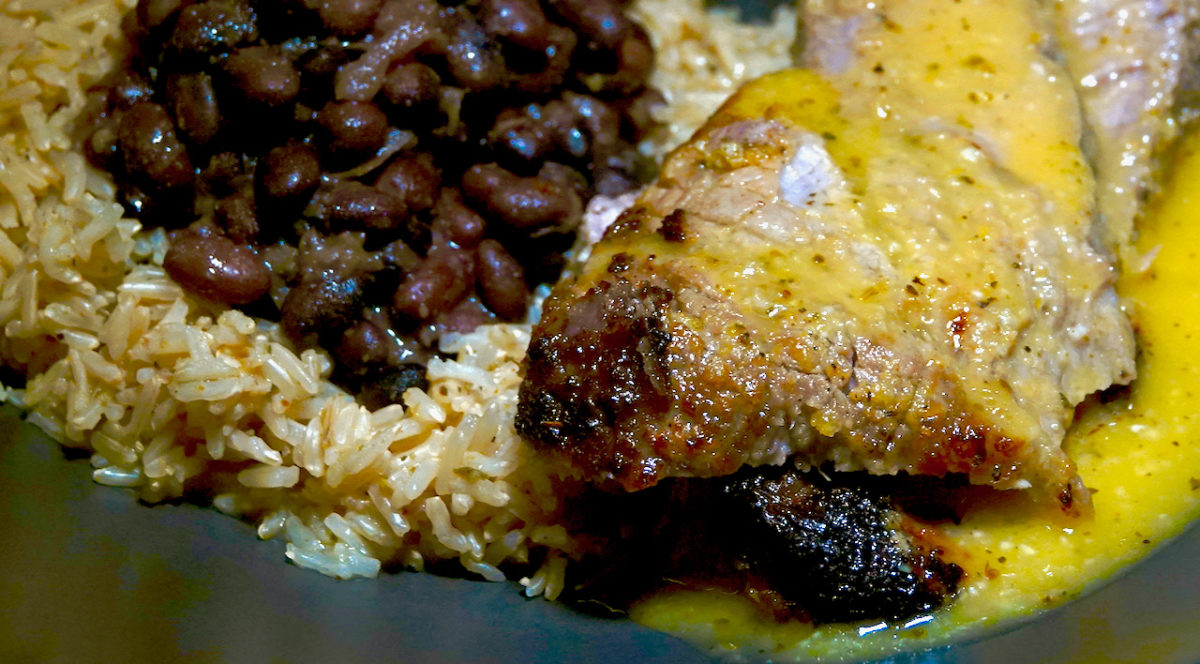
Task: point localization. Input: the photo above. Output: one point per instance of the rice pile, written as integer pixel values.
(176, 398)
(703, 56)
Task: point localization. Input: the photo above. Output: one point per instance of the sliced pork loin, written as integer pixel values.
(901, 261)
(1134, 63)
(895, 263)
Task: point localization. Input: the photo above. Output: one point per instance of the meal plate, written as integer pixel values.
(87, 574)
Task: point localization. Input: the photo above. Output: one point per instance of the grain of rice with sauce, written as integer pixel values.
(172, 395)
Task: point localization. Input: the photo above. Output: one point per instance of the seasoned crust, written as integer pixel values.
(646, 376)
(595, 368)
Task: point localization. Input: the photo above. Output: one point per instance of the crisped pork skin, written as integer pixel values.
(890, 264)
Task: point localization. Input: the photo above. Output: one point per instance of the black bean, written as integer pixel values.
(348, 18)
(353, 128)
(562, 120)
(128, 89)
(352, 205)
(565, 176)
(396, 259)
(223, 173)
(291, 172)
(215, 267)
(102, 147)
(457, 222)
(555, 62)
(519, 22)
(635, 61)
(338, 257)
(324, 59)
(138, 38)
(194, 103)
(541, 255)
(640, 111)
(212, 27)
(519, 139)
(398, 256)
(501, 281)
(150, 147)
(526, 204)
(413, 179)
(464, 317)
(283, 21)
(263, 75)
(473, 60)
(446, 276)
(601, 21)
(389, 388)
(601, 122)
(316, 308)
(142, 205)
(413, 85)
(152, 14)
(636, 58)
(235, 213)
(363, 347)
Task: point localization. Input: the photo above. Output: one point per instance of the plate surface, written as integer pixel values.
(88, 574)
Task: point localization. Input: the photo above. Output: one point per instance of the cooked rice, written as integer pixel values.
(703, 56)
(173, 396)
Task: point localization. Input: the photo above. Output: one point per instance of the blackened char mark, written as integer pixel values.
(837, 552)
(673, 227)
(800, 546)
(595, 368)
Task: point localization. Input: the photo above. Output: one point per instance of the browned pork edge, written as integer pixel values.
(603, 387)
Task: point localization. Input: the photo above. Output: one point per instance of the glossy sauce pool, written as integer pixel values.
(1139, 453)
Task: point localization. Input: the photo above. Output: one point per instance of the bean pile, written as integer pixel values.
(373, 173)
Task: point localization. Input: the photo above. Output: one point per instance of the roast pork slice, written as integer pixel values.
(896, 259)
(1134, 65)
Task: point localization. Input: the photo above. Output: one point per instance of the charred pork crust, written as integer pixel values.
(797, 544)
(673, 227)
(599, 363)
(621, 391)
(840, 552)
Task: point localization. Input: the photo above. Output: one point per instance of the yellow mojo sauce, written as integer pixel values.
(1140, 454)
